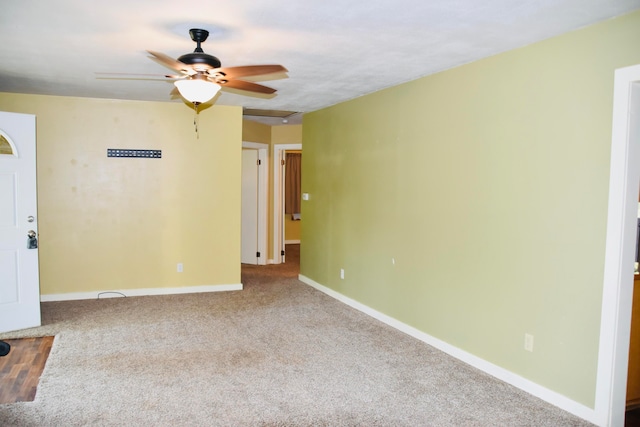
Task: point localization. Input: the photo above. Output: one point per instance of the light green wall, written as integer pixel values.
(488, 185)
(108, 223)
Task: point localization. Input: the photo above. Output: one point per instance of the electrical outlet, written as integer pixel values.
(342, 273)
(179, 268)
(528, 342)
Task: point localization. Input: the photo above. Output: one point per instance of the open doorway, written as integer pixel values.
(292, 196)
(279, 217)
(624, 183)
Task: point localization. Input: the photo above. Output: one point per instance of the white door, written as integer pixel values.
(19, 278)
(249, 225)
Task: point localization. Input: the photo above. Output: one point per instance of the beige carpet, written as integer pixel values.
(278, 353)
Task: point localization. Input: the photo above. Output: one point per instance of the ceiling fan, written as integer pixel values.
(201, 75)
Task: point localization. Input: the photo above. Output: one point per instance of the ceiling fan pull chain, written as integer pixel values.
(196, 118)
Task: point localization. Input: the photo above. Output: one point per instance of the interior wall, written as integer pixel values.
(256, 132)
(292, 229)
(125, 223)
(472, 204)
(286, 134)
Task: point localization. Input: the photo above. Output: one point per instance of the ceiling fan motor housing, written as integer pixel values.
(198, 56)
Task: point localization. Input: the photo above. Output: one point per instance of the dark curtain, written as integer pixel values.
(292, 187)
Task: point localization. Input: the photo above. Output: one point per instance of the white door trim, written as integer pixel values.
(263, 191)
(278, 199)
(615, 326)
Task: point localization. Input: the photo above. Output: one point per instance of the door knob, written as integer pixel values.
(32, 240)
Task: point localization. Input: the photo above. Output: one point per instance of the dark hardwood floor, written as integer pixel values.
(20, 370)
(632, 418)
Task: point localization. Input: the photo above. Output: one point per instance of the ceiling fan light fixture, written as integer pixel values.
(197, 89)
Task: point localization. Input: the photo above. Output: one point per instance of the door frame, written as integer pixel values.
(278, 198)
(263, 190)
(624, 183)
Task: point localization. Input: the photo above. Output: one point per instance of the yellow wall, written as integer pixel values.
(256, 132)
(286, 134)
(110, 223)
(487, 185)
(292, 228)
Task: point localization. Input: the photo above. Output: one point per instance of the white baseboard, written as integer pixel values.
(502, 374)
(292, 242)
(115, 293)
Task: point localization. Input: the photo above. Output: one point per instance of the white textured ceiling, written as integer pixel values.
(335, 50)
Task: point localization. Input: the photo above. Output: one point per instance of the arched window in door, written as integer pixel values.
(5, 146)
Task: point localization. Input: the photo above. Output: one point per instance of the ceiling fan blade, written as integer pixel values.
(135, 76)
(171, 63)
(248, 86)
(249, 70)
